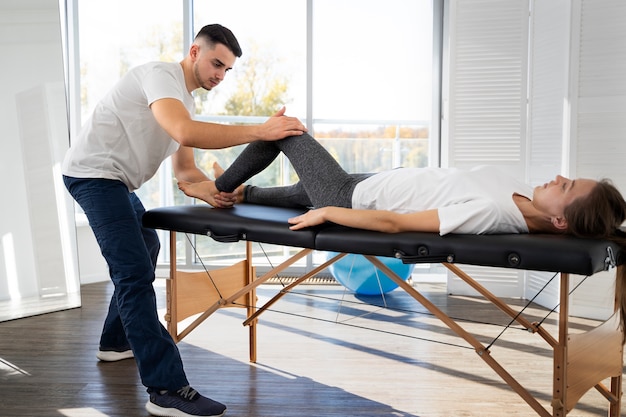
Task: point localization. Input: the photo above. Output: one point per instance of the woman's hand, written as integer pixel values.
(308, 219)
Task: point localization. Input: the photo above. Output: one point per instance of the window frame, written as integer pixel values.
(73, 91)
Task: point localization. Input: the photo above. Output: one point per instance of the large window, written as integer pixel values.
(117, 35)
(358, 74)
(111, 39)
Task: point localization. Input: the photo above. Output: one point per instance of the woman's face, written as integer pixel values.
(552, 197)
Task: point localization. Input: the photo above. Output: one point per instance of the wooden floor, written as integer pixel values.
(321, 353)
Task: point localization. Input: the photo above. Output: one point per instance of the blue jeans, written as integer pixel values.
(130, 251)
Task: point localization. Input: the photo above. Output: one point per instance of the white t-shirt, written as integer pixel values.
(476, 201)
(122, 140)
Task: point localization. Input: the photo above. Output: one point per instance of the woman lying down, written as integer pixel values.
(482, 200)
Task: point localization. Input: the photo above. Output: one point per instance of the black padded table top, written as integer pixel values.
(263, 224)
(554, 253)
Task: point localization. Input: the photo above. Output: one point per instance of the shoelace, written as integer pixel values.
(187, 392)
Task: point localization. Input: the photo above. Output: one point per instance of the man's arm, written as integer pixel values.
(172, 116)
(377, 220)
(184, 166)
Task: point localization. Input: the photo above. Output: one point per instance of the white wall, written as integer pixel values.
(37, 241)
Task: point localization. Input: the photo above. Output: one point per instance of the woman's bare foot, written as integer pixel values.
(205, 191)
(217, 170)
(237, 195)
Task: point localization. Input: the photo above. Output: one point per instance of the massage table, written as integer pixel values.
(581, 361)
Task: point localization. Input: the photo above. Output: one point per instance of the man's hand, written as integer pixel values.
(280, 126)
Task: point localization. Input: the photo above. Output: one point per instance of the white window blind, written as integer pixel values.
(548, 89)
(599, 132)
(486, 100)
(577, 119)
(573, 55)
(548, 115)
(484, 118)
(599, 119)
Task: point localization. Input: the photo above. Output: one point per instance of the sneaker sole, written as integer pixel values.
(112, 356)
(159, 411)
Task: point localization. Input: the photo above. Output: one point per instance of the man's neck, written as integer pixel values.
(187, 67)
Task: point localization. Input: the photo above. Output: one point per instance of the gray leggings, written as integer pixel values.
(322, 180)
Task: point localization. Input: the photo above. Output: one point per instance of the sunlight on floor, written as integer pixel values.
(7, 369)
(275, 371)
(81, 412)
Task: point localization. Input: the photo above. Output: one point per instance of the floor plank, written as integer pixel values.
(322, 352)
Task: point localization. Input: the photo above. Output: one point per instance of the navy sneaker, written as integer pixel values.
(186, 402)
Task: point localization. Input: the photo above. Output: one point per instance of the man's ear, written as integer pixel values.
(559, 222)
(194, 51)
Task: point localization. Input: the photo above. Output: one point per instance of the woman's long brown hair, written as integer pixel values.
(600, 215)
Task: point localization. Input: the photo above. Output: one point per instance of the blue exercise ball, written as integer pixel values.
(360, 276)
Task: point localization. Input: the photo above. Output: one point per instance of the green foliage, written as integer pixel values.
(261, 90)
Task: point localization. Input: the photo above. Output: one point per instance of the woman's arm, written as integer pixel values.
(378, 220)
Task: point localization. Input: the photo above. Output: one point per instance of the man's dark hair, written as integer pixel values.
(216, 33)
